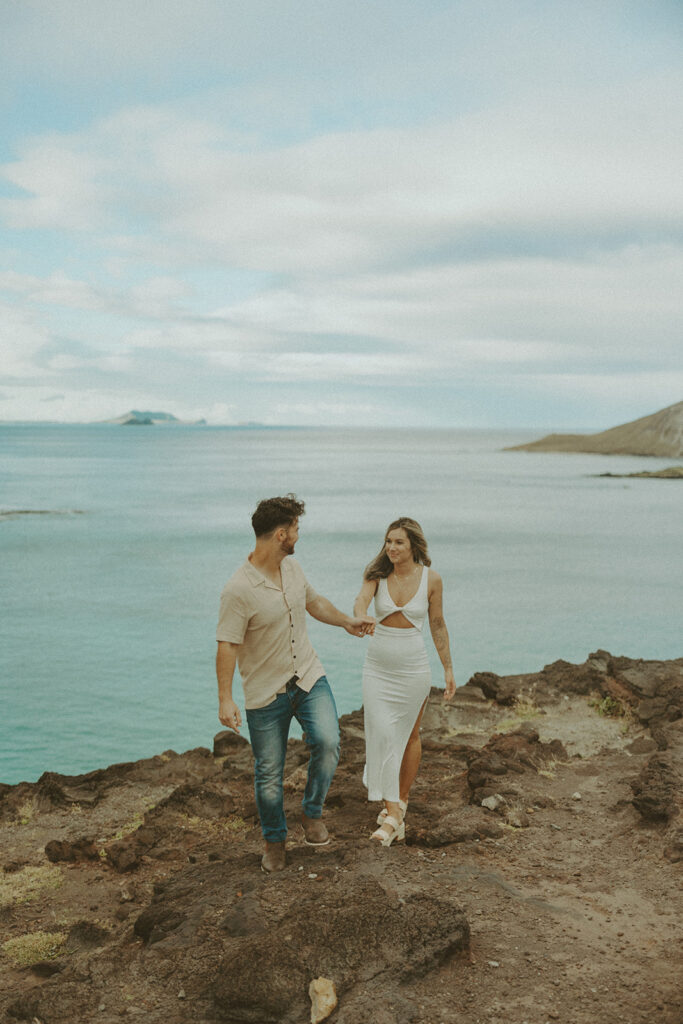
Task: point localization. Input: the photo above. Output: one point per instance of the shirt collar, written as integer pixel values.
(256, 578)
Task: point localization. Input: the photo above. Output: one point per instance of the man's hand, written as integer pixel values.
(450, 684)
(362, 625)
(229, 714)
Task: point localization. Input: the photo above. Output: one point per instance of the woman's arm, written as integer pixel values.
(365, 596)
(437, 625)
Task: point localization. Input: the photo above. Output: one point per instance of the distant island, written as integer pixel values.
(136, 418)
(660, 434)
(672, 473)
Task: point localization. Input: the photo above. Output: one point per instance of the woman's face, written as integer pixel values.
(397, 546)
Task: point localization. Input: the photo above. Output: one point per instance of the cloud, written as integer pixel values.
(55, 289)
(577, 176)
(401, 210)
(21, 340)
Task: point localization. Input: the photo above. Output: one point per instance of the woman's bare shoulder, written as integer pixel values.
(434, 580)
(370, 584)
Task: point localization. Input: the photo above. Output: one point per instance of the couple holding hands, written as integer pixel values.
(262, 629)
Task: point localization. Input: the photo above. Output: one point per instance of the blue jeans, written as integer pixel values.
(316, 713)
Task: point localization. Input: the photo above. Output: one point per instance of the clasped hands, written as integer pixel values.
(362, 625)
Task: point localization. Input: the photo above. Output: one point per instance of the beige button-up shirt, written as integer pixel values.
(269, 624)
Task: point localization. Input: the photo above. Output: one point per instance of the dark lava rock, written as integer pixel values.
(228, 742)
(26, 1007)
(673, 850)
(13, 866)
(654, 689)
(509, 753)
(125, 854)
(499, 688)
(557, 678)
(157, 922)
(86, 935)
(202, 800)
(180, 904)
(244, 918)
(563, 677)
(47, 969)
(353, 936)
(48, 793)
(62, 850)
(655, 790)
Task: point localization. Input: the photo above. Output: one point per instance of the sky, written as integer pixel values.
(341, 212)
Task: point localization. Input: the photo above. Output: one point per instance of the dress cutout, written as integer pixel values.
(415, 610)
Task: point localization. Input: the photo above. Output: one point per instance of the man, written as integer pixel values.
(262, 628)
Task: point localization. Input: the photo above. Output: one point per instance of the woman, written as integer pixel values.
(396, 675)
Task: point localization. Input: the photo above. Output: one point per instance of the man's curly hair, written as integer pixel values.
(273, 512)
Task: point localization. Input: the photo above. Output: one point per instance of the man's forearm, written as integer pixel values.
(324, 611)
(226, 660)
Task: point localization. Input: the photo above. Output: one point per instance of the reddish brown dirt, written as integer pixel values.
(570, 891)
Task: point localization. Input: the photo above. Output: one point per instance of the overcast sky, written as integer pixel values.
(463, 213)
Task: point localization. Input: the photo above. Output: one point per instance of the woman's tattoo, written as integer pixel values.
(440, 637)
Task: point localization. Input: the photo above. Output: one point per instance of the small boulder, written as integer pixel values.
(492, 803)
(516, 817)
(80, 849)
(673, 851)
(323, 997)
(655, 790)
(227, 742)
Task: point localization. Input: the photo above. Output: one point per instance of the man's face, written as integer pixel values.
(290, 538)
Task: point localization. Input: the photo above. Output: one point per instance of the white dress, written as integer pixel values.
(396, 682)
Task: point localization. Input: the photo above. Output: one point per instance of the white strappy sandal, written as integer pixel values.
(381, 817)
(398, 831)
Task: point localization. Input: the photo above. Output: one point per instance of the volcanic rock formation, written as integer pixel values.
(659, 434)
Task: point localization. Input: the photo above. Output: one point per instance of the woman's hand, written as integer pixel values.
(361, 625)
(449, 679)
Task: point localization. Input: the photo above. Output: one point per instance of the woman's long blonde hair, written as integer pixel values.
(380, 567)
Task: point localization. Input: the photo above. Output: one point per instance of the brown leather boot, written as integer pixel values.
(315, 833)
(274, 858)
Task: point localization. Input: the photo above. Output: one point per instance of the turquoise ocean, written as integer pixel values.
(108, 605)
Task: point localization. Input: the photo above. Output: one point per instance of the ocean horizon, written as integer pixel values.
(109, 604)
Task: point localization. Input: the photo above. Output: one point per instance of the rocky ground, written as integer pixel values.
(539, 880)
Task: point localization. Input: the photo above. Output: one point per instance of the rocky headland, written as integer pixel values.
(659, 434)
(539, 880)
